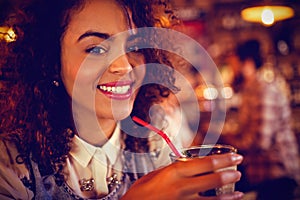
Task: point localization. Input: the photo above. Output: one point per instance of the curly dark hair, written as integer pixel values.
(37, 114)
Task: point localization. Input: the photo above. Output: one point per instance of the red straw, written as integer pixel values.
(160, 132)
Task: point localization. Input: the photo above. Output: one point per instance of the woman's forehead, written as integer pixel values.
(106, 16)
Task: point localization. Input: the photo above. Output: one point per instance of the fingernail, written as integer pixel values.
(236, 158)
(238, 195)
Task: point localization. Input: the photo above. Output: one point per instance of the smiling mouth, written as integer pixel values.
(117, 90)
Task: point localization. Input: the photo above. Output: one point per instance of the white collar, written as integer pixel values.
(83, 152)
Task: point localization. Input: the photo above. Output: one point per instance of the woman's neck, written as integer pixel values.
(93, 130)
(99, 136)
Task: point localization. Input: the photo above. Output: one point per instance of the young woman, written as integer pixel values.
(79, 74)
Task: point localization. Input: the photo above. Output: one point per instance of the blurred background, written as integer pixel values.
(218, 25)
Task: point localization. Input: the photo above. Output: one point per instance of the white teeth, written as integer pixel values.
(117, 90)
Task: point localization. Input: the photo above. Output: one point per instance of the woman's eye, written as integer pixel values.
(96, 50)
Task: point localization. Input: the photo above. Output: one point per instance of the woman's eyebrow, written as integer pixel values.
(94, 34)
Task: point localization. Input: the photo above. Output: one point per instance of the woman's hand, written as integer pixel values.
(186, 179)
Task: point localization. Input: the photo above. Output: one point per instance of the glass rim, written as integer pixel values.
(205, 146)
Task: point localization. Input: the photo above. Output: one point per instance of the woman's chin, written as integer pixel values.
(121, 114)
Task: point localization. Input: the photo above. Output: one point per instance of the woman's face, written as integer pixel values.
(97, 72)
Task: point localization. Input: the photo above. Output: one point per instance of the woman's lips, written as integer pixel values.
(119, 90)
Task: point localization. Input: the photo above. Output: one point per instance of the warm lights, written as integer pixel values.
(210, 93)
(267, 15)
(7, 34)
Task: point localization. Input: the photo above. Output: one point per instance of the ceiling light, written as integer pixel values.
(268, 14)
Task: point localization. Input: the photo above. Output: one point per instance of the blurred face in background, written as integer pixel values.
(248, 69)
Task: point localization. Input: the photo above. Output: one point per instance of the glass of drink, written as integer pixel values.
(208, 150)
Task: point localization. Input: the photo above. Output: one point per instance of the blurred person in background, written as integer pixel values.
(265, 136)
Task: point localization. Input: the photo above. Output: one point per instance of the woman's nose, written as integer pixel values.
(121, 65)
